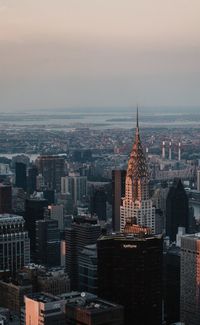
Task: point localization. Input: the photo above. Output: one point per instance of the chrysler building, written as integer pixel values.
(137, 207)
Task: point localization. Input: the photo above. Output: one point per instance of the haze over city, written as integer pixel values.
(98, 53)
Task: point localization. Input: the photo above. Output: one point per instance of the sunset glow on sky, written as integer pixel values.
(99, 53)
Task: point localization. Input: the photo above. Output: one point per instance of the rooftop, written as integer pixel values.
(87, 301)
(43, 297)
(6, 217)
(131, 237)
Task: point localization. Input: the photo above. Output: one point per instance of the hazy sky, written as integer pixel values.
(68, 53)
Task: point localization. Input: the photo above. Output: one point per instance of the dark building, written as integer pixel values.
(49, 195)
(47, 242)
(118, 191)
(20, 175)
(172, 284)
(130, 274)
(98, 203)
(52, 169)
(88, 269)
(32, 177)
(34, 210)
(5, 198)
(87, 309)
(12, 295)
(177, 210)
(83, 232)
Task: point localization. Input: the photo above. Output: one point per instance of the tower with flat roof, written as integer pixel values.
(130, 274)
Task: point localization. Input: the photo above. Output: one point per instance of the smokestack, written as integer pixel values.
(163, 150)
(179, 151)
(170, 150)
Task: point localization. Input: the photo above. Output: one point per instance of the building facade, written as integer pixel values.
(84, 232)
(118, 191)
(177, 210)
(14, 243)
(130, 274)
(87, 267)
(47, 242)
(44, 309)
(190, 279)
(137, 206)
(52, 169)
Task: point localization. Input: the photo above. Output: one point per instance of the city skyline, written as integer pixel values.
(98, 54)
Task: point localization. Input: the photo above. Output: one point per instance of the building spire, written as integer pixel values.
(137, 122)
(137, 166)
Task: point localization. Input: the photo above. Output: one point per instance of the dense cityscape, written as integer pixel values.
(99, 162)
(99, 225)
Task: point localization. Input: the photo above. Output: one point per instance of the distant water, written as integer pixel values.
(103, 118)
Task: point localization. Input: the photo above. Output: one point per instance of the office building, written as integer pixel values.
(118, 191)
(32, 179)
(190, 279)
(177, 209)
(75, 185)
(52, 169)
(87, 269)
(84, 231)
(14, 244)
(5, 198)
(198, 180)
(172, 284)
(34, 210)
(47, 242)
(12, 295)
(56, 212)
(51, 280)
(137, 206)
(86, 309)
(98, 203)
(130, 274)
(20, 175)
(54, 281)
(44, 309)
(49, 195)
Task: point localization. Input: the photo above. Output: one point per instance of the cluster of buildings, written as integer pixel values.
(78, 250)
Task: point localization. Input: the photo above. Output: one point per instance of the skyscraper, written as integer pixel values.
(137, 207)
(20, 175)
(14, 243)
(177, 209)
(31, 181)
(98, 203)
(52, 169)
(130, 274)
(76, 185)
(5, 198)
(34, 210)
(47, 242)
(118, 191)
(88, 269)
(83, 232)
(190, 279)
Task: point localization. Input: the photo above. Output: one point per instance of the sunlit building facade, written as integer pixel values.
(190, 279)
(137, 206)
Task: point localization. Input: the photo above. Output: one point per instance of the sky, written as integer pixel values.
(99, 53)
